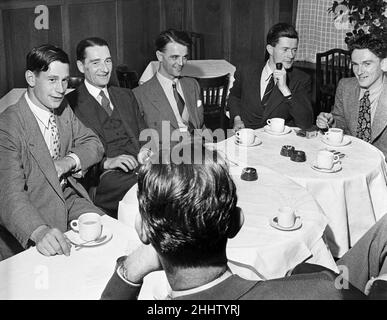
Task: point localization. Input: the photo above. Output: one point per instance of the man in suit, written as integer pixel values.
(361, 102)
(262, 90)
(112, 112)
(43, 146)
(184, 231)
(171, 103)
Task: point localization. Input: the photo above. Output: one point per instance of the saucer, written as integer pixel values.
(346, 140)
(286, 131)
(75, 239)
(256, 142)
(336, 168)
(297, 224)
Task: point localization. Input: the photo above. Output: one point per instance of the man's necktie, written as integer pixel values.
(178, 98)
(55, 137)
(269, 89)
(105, 103)
(364, 121)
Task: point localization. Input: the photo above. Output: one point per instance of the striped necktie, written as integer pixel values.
(364, 121)
(179, 100)
(268, 91)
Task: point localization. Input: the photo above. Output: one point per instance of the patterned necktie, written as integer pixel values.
(105, 103)
(269, 89)
(364, 121)
(178, 98)
(53, 128)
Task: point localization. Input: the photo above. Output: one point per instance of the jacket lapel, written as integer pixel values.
(38, 147)
(352, 113)
(190, 102)
(380, 118)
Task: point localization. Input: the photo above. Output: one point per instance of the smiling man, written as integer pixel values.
(112, 112)
(262, 91)
(168, 97)
(43, 146)
(361, 102)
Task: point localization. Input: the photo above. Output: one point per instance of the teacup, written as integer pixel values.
(276, 124)
(286, 217)
(334, 135)
(326, 159)
(88, 225)
(245, 136)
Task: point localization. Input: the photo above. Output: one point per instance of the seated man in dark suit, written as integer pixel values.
(187, 213)
(170, 102)
(43, 148)
(112, 112)
(262, 91)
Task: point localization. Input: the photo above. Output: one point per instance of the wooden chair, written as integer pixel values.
(74, 82)
(127, 78)
(214, 94)
(197, 47)
(331, 66)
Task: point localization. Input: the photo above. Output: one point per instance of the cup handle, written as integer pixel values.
(268, 121)
(336, 158)
(74, 225)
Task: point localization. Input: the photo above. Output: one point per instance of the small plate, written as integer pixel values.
(346, 140)
(336, 167)
(75, 239)
(256, 142)
(297, 224)
(286, 131)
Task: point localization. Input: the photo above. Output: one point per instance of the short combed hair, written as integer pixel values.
(188, 209)
(39, 58)
(172, 35)
(376, 45)
(89, 42)
(280, 30)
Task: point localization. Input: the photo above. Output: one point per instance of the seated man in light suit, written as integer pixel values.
(112, 112)
(168, 97)
(187, 213)
(261, 91)
(361, 102)
(42, 146)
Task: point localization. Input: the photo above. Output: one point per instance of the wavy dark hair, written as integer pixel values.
(280, 30)
(39, 58)
(376, 45)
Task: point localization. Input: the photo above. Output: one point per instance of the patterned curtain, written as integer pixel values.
(318, 30)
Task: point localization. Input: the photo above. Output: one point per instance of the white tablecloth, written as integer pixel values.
(196, 69)
(272, 252)
(353, 199)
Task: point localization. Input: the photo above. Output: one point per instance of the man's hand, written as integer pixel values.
(324, 120)
(64, 165)
(238, 123)
(124, 162)
(141, 262)
(144, 155)
(280, 80)
(51, 241)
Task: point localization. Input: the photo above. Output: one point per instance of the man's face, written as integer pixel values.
(172, 60)
(367, 67)
(49, 87)
(97, 66)
(284, 51)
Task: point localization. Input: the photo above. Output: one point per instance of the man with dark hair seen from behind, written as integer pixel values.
(361, 102)
(188, 211)
(262, 91)
(43, 148)
(112, 112)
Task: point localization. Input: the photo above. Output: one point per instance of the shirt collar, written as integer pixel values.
(166, 81)
(267, 72)
(41, 114)
(213, 283)
(94, 91)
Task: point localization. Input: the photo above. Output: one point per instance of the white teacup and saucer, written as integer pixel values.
(246, 138)
(286, 220)
(276, 126)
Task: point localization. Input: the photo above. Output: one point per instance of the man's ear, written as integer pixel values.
(141, 229)
(270, 49)
(384, 64)
(159, 55)
(30, 78)
(80, 66)
(237, 223)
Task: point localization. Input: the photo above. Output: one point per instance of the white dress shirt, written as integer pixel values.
(95, 92)
(166, 84)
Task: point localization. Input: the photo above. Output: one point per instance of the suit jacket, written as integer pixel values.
(245, 98)
(346, 112)
(308, 286)
(30, 192)
(84, 106)
(156, 108)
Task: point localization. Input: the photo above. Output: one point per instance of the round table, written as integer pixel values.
(353, 198)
